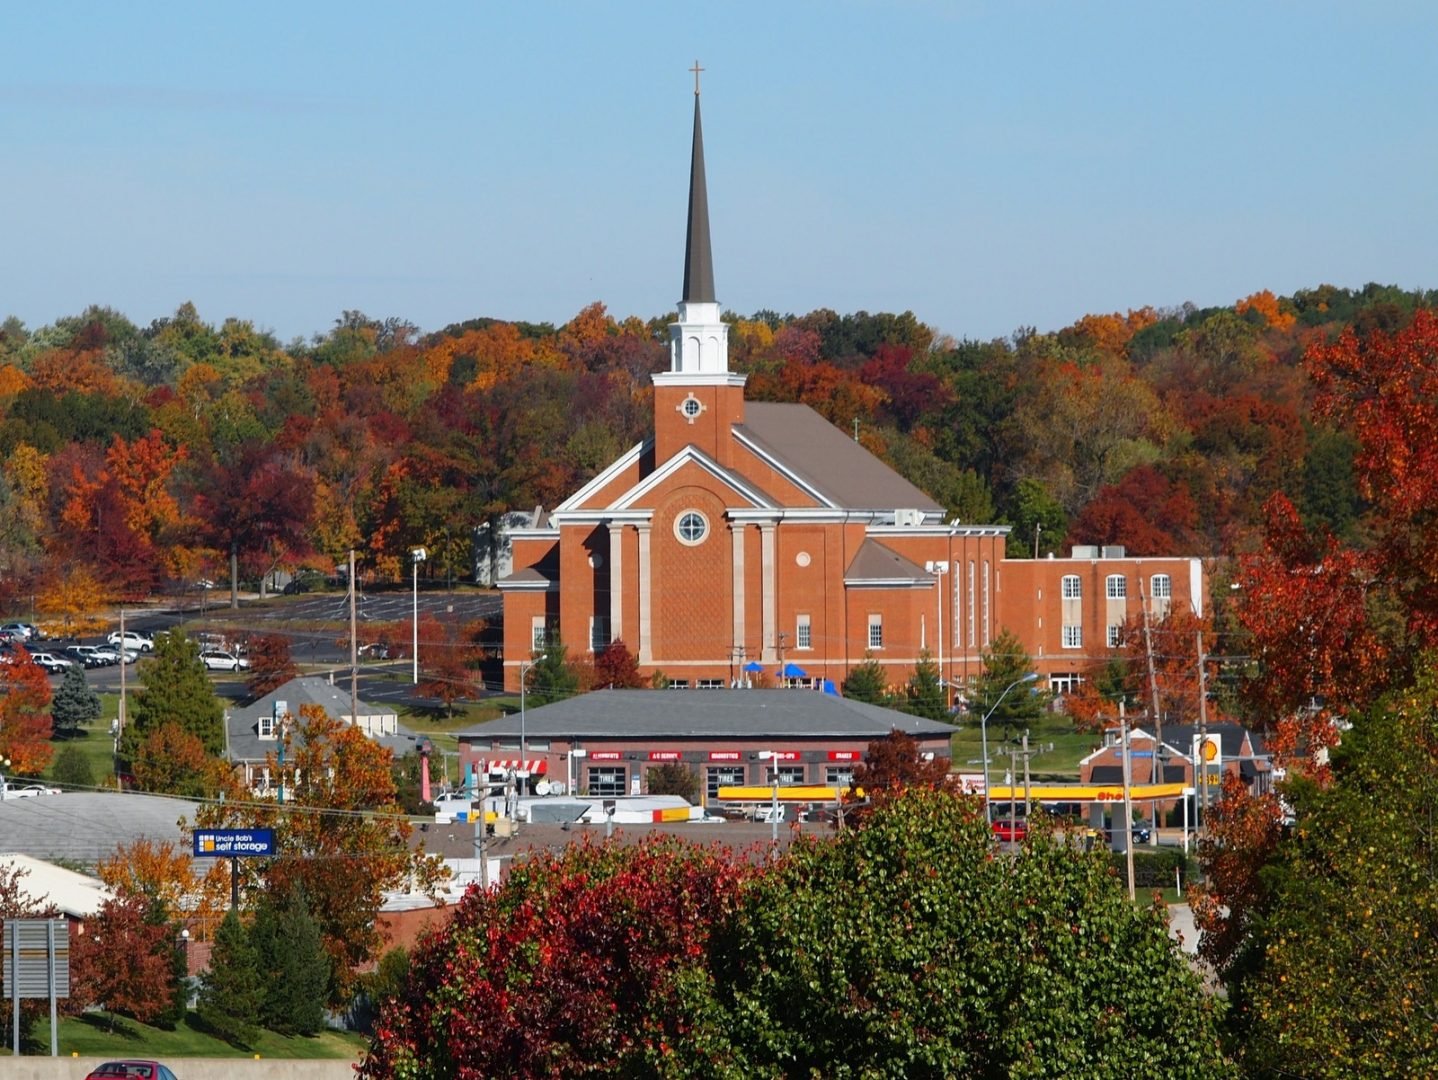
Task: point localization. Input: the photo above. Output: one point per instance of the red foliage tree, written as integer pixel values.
(270, 664)
(124, 962)
(892, 765)
(571, 968)
(25, 724)
(616, 668)
(1145, 512)
(447, 654)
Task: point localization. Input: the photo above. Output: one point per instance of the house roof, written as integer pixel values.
(1113, 774)
(85, 826)
(1230, 738)
(875, 562)
(697, 714)
(76, 895)
(827, 460)
(242, 730)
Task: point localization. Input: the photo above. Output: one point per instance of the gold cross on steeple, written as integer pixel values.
(696, 69)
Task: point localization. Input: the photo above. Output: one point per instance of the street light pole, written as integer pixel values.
(984, 735)
(573, 776)
(524, 669)
(773, 758)
(417, 556)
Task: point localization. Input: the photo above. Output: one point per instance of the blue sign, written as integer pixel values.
(233, 843)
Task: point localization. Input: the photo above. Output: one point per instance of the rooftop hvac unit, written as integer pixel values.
(1113, 551)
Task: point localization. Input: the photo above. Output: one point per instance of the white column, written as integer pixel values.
(616, 581)
(766, 548)
(736, 536)
(646, 626)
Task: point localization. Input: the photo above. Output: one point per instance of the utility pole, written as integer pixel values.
(1202, 763)
(1127, 800)
(120, 716)
(779, 648)
(1028, 808)
(1152, 685)
(354, 652)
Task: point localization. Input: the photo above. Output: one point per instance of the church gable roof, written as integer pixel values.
(822, 459)
(876, 564)
(693, 457)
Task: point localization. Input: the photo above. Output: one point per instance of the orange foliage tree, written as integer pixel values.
(167, 874)
(25, 725)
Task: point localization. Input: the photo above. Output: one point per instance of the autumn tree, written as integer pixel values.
(447, 656)
(175, 690)
(673, 778)
(124, 960)
(271, 665)
(616, 668)
(340, 836)
(172, 761)
(892, 765)
(25, 725)
(572, 966)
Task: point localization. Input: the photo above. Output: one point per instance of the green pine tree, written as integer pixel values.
(158, 915)
(924, 694)
(551, 678)
(1005, 664)
(175, 690)
(229, 999)
(72, 769)
(867, 682)
(74, 703)
(289, 951)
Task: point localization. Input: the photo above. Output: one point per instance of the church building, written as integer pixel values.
(756, 535)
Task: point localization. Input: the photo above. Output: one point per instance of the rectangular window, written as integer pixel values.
(987, 621)
(723, 776)
(789, 775)
(1115, 636)
(1162, 587)
(598, 633)
(1065, 682)
(838, 775)
(876, 631)
(267, 727)
(538, 635)
(1073, 637)
(1117, 586)
(1072, 587)
(606, 780)
(710, 684)
(678, 684)
(803, 638)
(971, 604)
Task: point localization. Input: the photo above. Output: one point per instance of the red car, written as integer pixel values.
(1010, 830)
(130, 1070)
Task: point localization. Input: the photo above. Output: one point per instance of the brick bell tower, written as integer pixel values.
(698, 399)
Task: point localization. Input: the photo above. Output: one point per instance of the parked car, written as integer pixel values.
(218, 660)
(92, 656)
(1141, 833)
(130, 1070)
(1011, 830)
(22, 790)
(19, 631)
(53, 664)
(375, 650)
(133, 640)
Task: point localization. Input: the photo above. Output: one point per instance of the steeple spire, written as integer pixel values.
(698, 258)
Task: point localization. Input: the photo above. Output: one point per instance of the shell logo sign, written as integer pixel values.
(1207, 752)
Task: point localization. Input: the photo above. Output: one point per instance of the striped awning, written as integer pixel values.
(533, 766)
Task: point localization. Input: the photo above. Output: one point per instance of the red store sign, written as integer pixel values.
(666, 755)
(605, 755)
(844, 755)
(725, 755)
(786, 755)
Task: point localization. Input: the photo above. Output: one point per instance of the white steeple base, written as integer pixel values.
(699, 341)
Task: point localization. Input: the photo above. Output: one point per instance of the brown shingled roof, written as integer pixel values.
(828, 460)
(875, 562)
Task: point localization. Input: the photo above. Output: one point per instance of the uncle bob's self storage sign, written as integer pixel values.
(233, 843)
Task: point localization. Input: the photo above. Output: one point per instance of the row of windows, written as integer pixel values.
(1116, 587)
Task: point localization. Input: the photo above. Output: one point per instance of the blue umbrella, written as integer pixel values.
(793, 671)
(753, 666)
(829, 688)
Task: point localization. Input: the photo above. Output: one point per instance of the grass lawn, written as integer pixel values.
(90, 1035)
(1060, 763)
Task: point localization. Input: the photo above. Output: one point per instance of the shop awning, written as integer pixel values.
(533, 766)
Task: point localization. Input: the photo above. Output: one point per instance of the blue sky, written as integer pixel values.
(987, 166)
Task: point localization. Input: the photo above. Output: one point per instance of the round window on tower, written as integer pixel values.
(691, 527)
(692, 407)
